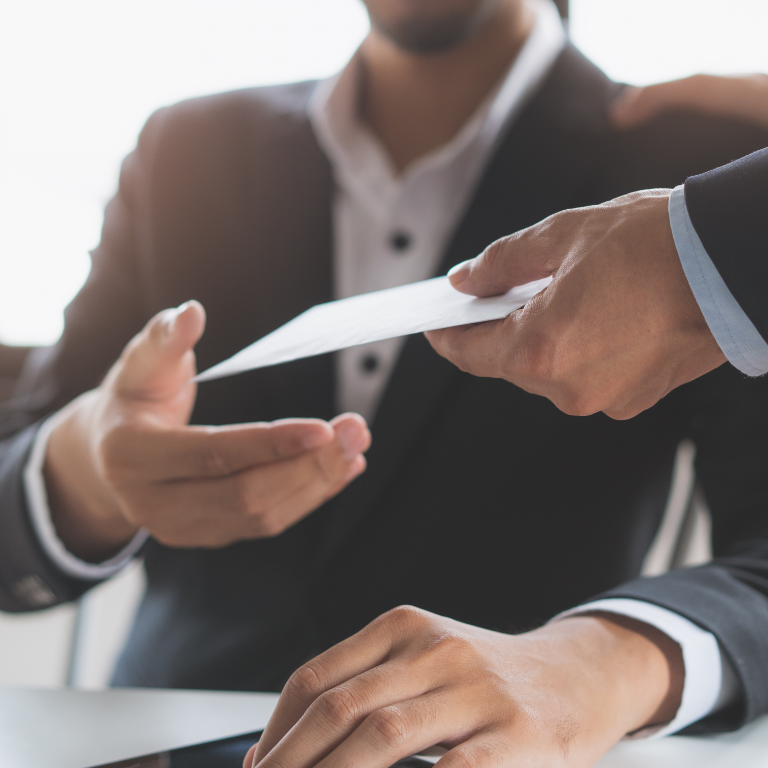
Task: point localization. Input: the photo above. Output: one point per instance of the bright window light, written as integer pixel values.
(79, 78)
(648, 41)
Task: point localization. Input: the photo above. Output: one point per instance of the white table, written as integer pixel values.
(75, 729)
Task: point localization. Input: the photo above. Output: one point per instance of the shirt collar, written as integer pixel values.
(351, 147)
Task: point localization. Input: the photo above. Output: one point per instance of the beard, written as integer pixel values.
(422, 33)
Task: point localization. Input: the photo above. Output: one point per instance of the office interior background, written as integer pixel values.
(77, 81)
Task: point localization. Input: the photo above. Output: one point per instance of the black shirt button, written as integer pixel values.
(369, 363)
(400, 242)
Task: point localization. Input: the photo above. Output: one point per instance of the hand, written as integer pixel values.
(742, 98)
(122, 457)
(559, 696)
(617, 328)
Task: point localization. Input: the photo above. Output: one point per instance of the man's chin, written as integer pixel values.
(428, 35)
(436, 33)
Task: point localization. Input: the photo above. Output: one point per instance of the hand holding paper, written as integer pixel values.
(414, 308)
(618, 329)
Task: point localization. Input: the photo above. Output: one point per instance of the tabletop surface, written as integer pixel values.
(78, 729)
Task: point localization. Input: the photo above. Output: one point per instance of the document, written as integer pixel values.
(413, 308)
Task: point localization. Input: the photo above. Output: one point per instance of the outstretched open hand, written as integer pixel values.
(123, 456)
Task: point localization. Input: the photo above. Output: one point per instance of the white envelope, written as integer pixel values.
(387, 314)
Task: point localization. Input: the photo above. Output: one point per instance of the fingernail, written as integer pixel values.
(182, 308)
(172, 315)
(314, 439)
(169, 321)
(460, 272)
(352, 440)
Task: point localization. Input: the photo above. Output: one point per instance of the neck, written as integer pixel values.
(415, 103)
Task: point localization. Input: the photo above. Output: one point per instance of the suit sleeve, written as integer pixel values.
(734, 332)
(729, 210)
(105, 314)
(728, 596)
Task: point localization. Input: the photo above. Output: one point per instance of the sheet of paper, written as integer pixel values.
(387, 314)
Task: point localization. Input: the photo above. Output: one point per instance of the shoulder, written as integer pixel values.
(267, 103)
(214, 141)
(227, 120)
(261, 105)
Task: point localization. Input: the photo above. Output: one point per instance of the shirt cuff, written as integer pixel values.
(710, 682)
(734, 332)
(42, 524)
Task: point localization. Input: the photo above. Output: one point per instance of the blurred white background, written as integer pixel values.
(79, 78)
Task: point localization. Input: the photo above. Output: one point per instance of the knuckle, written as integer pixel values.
(213, 460)
(620, 414)
(156, 328)
(463, 757)
(453, 649)
(329, 465)
(247, 501)
(405, 618)
(340, 707)
(540, 359)
(306, 683)
(391, 726)
(271, 526)
(578, 403)
(256, 506)
(492, 257)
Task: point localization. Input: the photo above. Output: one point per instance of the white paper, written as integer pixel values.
(414, 308)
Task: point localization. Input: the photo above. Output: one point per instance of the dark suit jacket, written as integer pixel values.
(729, 210)
(481, 502)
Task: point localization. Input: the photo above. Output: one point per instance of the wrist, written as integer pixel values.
(84, 510)
(636, 670)
(659, 655)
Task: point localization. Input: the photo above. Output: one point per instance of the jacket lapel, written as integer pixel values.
(304, 388)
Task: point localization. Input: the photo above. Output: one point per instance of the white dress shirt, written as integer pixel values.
(391, 229)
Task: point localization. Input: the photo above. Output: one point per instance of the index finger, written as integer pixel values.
(477, 349)
(194, 452)
(350, 658)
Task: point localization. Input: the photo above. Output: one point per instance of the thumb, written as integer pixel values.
(514, 260)
(159, 362)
